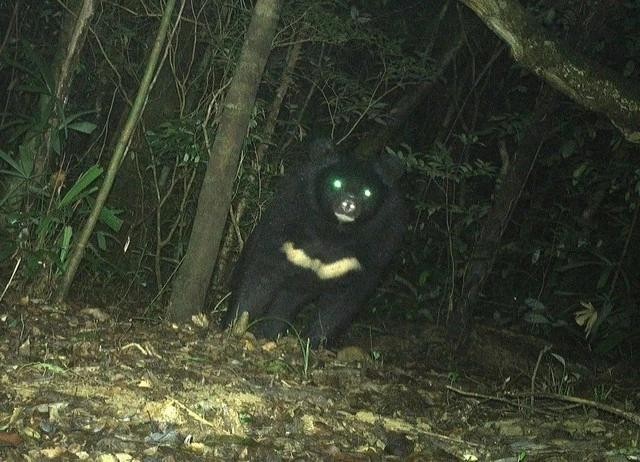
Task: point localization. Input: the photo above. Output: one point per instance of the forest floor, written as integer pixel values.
(75, 384)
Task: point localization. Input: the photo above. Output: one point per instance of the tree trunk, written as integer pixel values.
(233, 233)
(51, 104)
(505, 201)
(72, 41)
(442, 55)
(587, 83)
(120, 150)
(193, 277)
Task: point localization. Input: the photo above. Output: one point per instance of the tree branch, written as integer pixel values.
(589, 84)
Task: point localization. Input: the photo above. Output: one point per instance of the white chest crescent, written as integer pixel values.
(323, 270)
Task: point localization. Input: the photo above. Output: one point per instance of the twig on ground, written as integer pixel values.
(535, 372)
(634, 418)
(15, 269)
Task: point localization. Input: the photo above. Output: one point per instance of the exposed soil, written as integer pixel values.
(75, 384)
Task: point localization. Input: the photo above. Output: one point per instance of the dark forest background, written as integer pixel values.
(525, 199)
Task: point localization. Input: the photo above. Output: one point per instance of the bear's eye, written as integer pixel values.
(336, 184)
(366, 192)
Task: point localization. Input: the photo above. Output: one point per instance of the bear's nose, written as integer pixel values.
(348, 205)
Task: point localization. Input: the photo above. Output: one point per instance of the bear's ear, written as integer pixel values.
(389, 168)
(320, 148)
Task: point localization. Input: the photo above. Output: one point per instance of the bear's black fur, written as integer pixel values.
(326, 238)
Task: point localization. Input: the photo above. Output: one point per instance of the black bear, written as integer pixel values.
(326, 239)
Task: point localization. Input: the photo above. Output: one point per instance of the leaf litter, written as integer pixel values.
(76, 384)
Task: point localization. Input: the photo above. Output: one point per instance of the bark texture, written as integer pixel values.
(233, 232)
(193, 277)
(72, 43)
(587, 83)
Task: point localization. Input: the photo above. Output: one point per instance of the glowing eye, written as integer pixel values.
(367, 192)
(337, 183)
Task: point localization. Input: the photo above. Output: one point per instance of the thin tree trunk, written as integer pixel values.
(587, 83)
(233, 234)
(404, 108)
(506, 199)
(120, 150)
(193, 277)
(71, 43)
(50, 104)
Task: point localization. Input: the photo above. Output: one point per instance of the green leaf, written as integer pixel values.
(49, 368)
(109, 217)
(12, 173)
(9, 160)
(568, 148)
(604, 277)
(535, 318)
(70, 119)
(80, 185)
(102, 242)
(45, 226)
(26, 160)
(579, 171)
(83, 127)
(66, 241)
(534, 304)
(56, 144)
